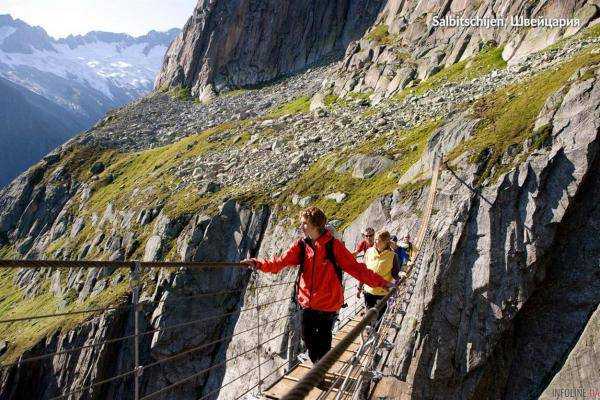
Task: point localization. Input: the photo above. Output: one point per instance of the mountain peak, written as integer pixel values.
(5, 19)
(24, 38)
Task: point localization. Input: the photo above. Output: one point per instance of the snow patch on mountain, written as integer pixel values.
(99, 65)
(115, 65)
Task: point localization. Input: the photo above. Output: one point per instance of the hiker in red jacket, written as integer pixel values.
(369, 239)
(319, 288)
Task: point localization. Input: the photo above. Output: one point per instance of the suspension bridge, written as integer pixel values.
(355, 367)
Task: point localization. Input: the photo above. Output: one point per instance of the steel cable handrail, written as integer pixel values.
(74, 264)
(37, 358)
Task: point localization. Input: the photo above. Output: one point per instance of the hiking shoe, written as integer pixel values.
(303, 358)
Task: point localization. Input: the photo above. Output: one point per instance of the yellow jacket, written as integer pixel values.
(382, 264)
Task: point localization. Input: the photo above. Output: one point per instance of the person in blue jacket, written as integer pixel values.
(403, 248)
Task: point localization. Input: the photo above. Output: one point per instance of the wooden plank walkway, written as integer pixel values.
(391, 388)
(333, 379)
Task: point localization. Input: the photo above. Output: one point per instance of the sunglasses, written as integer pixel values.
(368, 235)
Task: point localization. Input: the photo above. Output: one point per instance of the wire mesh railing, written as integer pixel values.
(136, 306)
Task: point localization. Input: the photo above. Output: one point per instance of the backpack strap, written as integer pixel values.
(331, 258)
(302, 245)
(338, 270)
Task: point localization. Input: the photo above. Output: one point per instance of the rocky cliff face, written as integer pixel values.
(510, 278)
(411, 40)
(226, 45)
(406, 44)
(511, 254)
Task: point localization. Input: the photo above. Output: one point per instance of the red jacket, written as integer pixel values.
(319, 287)
(364, 245)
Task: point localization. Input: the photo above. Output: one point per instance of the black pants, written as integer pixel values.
(370, 301)
(317, 327)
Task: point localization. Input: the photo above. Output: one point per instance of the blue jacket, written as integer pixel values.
(403, 255)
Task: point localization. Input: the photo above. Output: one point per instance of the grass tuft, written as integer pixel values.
(297, 106)
(381, 35)
(180, 93)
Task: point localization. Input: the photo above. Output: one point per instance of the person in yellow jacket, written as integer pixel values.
(382, 260)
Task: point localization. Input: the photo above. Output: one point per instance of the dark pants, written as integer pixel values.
(316, 332)
(370, 301)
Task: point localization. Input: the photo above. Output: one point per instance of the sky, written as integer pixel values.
(136, 17)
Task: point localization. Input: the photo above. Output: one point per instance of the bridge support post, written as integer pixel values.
(135, 298)
(258, 344)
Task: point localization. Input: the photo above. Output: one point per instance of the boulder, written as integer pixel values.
(207, 94)
(208, 188)
(305, 201)
(458, 50)
(78, 225)
(338, 197)
(366, 167)
(317, 102)
(403, 76)
(372, 76)
(97, 168)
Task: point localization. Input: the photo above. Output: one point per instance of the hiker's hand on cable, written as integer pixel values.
(402, 275)
(250, 263)
(358, 292)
